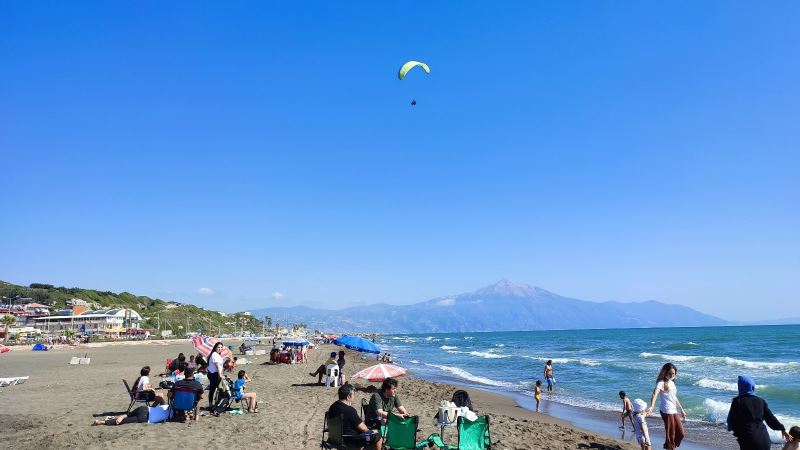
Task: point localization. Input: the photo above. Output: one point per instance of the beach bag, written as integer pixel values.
(166, 384)
(448, 412)
(223, 396)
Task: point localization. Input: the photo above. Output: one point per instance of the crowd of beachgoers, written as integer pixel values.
(216, 385)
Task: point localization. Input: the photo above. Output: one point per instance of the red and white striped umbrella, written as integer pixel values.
(204, 344)
(380, 372)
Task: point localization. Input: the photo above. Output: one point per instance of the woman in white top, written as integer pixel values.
(215, 363)
(667, 393)
(144, 390)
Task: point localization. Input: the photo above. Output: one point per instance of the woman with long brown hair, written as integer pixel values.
(669, 405)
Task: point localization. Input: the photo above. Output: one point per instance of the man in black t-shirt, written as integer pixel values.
(190, 383)
(355, 432)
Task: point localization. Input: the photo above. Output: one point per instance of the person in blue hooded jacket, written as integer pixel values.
(747, 416)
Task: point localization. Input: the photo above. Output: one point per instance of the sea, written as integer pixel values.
(592, 366)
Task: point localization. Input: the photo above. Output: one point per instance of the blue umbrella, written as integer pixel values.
(357, 343)
(295, 343)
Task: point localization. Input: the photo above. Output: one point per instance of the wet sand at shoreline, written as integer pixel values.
(54, 408)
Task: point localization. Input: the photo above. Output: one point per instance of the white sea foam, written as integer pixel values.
(489, 355)
(448, 347)
(718, 385)
(723, 360)
(582, 361)
(469, 338)
(414, 361)
(716, 411)
(461, 373)
(499, 345)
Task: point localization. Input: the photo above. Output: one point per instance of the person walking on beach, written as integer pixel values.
(548, 375)
(215, 363)
(747, 416)
(640, 424)
(627, 409)
(669, 405)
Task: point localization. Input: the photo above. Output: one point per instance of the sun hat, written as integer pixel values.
(639, 405)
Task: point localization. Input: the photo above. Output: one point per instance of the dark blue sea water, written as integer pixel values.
(592, 366)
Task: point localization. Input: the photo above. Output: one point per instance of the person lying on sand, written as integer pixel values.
(142, 414)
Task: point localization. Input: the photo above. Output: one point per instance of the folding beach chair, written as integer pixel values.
(401, 434)
(135, 397)
(332, 426)
(472, 435)
(183, 400)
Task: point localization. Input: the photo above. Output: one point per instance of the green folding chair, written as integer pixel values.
(472, 435)
(401, 434)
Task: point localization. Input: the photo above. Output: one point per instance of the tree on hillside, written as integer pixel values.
(7, 320)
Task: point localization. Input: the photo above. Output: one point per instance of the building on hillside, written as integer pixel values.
(100, 321)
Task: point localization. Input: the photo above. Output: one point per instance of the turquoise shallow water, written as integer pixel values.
(592, 366)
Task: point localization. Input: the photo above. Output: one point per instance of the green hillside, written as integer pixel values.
(178, 317)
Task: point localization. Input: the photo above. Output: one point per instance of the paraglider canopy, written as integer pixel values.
(410, 65)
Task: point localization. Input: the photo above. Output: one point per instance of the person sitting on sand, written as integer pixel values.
(794, 444)
(242, 348)
(241, 395)
(202, 364)
(142, 414)
(747, 416)
(356, 431)
(142, 389)
(639, 422)
(627, 409)
(191, 363)
(321, 370)
(382, 403)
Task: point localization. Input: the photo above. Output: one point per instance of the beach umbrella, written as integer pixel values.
(357, 343)
(380, 372)
(295, 342)
(204, 344)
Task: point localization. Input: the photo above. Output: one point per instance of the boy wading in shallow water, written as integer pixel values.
(627, 409)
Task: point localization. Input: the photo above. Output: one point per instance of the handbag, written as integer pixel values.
(448, 412)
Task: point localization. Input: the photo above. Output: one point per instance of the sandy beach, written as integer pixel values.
(59, 401)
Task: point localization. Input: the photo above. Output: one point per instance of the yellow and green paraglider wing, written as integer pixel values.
(410, 65)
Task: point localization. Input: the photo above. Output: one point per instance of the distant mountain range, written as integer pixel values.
(503, 306)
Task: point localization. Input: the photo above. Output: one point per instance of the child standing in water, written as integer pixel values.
(537, 393)
(627, 409)
(639, 423)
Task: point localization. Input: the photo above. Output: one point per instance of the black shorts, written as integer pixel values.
(362, 440)
(146, 395)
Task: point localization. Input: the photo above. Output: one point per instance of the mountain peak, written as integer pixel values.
(508, 288)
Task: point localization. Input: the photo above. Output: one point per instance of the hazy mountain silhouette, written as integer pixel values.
(503, 306)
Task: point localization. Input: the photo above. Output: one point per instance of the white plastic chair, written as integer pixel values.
(332, 375)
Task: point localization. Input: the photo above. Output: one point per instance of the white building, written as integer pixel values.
(97, 321)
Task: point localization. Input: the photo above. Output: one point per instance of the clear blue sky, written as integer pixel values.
(601, 150)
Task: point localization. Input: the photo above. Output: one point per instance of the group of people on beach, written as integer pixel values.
(185, 375)
(746, 417)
